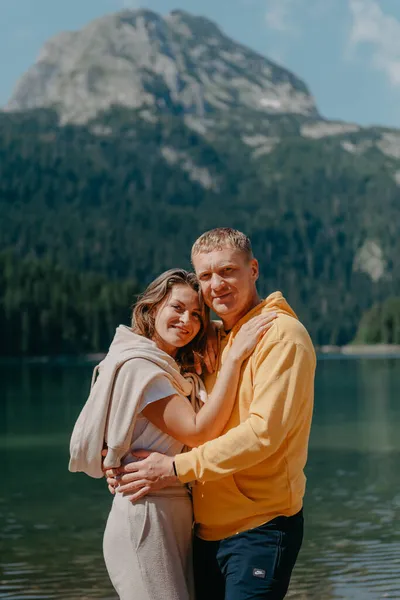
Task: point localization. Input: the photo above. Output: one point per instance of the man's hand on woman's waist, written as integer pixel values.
(153, 471)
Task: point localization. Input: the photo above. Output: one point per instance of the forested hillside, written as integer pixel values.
(381, 323)
(111, 204)
(128, 139)
(48, 310)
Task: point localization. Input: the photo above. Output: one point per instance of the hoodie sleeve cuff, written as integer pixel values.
(113, 458)
(184, 464)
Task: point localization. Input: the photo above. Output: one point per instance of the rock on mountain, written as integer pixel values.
(178, 63)
(169, 117)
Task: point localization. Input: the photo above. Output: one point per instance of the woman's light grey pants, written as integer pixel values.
(148, 546)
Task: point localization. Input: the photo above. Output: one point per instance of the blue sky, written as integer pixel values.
(347, 51)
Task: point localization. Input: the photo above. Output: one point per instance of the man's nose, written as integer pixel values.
(216, 281)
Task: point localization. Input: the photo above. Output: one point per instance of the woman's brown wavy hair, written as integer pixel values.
(144, 312)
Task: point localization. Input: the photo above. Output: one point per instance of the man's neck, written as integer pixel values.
(230, 322)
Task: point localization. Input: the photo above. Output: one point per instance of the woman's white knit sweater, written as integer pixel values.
(107, 420)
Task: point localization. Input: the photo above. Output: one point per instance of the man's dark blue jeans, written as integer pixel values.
(253, 565)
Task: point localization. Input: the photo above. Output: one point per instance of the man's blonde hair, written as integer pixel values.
(220, 238)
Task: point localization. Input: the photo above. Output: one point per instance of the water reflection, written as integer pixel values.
(352, 548)
(51, 522)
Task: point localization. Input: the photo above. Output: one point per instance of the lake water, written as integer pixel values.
(51, 521)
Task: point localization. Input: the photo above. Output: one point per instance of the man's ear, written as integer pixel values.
(255, 271)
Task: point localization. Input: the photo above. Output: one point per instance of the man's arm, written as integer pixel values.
(283, 378)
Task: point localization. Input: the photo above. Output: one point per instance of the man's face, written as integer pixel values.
(228, 282)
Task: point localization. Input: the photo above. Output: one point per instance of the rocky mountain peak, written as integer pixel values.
(179, 63)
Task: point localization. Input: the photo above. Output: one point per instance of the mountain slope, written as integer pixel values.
(324, 223)
(138, 59)
(118, 175)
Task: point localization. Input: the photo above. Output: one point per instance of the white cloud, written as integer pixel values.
(132, 4)
(371, 28)
(293, 16)
(380, 31)
(288, 20)
(279, 15)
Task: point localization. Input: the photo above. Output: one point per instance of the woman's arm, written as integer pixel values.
(175, 416)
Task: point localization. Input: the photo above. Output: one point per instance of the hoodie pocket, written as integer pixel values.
(240, 492)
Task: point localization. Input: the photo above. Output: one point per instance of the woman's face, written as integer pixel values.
(178, 319)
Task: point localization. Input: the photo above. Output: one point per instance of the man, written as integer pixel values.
(250, 482)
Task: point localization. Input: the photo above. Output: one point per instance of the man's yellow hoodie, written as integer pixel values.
(254, 472)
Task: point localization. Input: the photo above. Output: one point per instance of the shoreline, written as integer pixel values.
(360, 350)
(326, 351)
(62, 359)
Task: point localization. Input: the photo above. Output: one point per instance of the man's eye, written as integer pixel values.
(176, 306)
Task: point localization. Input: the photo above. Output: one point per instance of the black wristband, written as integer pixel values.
(174, 467)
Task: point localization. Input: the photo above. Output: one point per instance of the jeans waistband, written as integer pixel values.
(284, 523)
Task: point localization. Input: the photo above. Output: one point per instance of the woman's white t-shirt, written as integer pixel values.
(147, 436)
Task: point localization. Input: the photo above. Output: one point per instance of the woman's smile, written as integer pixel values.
(178, 319)
(181, 330)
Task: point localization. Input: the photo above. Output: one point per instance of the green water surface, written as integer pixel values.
(51, 521)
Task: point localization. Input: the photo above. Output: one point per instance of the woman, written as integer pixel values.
(143, 387)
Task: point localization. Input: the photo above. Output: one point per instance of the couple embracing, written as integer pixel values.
(229, 448)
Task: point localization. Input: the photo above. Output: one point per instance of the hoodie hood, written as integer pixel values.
(275, 302)
(126, 342)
